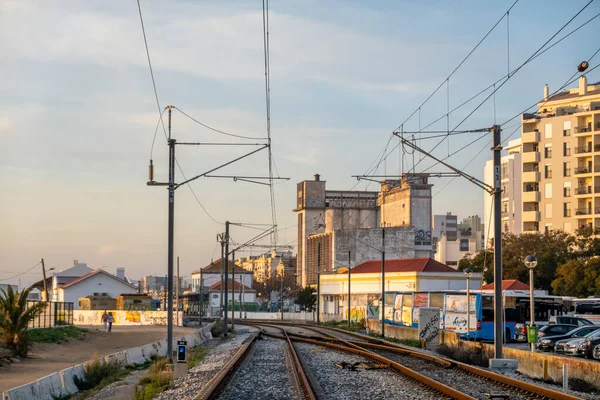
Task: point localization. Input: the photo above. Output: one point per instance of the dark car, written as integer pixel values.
(546, 343)
(567, 320)
(555, 329)
(590, 341)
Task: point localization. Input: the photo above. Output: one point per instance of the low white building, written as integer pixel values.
(235, 291)
(211, 274)
(97, 281)
(409, 274)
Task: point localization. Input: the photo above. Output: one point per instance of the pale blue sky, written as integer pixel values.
(77, 112)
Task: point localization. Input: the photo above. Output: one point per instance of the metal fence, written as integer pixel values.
(53, 314)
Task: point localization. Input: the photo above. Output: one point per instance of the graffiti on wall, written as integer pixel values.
(93, 317)
(357, 314)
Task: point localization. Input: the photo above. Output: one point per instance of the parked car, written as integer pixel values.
(547, 342)
(555, 329)
(597, 352)
(567, 320)
(579, 346)
(590, 341)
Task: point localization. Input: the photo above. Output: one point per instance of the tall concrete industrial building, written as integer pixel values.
(333, 224)
(551, 176)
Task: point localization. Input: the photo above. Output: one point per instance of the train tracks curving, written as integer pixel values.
(294, 361)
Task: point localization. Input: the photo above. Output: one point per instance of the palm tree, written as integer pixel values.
(14, 318)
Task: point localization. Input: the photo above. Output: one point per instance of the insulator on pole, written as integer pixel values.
(151, 172)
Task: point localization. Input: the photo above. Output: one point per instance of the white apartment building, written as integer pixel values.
(454, 240)
(556, 183)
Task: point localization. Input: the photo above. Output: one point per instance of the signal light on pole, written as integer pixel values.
(583, 66)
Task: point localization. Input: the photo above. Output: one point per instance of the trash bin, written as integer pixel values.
(532, 333)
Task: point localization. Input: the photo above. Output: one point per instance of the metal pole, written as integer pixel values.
(232, 287)
(531, 304)
(318, 281)
(226, 267)
(241, 286)
(382, 282)
(498, 311)
(348, 288)
(468, 311)
(177, 294)
(45, 284)
(171, 235)
(282, 272)
(222, 282)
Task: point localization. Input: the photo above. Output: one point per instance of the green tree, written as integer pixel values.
(580, 278)
(14, 318)
(306, 299)
(482, 261)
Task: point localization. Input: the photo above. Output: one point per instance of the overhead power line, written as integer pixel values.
(22, 273)
(218, 130)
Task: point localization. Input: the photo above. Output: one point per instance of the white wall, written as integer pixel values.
(99, 282)
(128, 318)
(212, 278)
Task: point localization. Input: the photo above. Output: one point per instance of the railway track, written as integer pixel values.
(298, 361)
(471, 381)
(261, 368)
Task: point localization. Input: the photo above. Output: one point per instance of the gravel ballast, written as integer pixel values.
(338, 383)
(187, 387)
(264, 374)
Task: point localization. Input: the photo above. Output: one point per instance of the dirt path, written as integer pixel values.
(46, 359)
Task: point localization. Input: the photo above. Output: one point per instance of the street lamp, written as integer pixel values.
(531, 262)
(468, 272)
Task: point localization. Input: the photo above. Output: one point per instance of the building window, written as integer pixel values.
(567, 169)
(548, 210)
(566, 149)
(548, 151)
(547, 228)
(566, 209)
(450, 263)
(548, 191)
(548, 131)
(548, 171)
(464, 244)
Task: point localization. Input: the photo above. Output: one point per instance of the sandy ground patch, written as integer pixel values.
(46, 359)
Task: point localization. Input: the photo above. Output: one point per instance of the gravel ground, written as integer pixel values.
(186, 387)
(338, 383)
(265, 374)
(410, 361)
(120, 390)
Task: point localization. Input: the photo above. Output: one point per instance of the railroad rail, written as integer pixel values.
(522, 388)
(216, 386)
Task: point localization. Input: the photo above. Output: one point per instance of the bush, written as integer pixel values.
(157, 381)
(218, 329)
(56, 335)
(196, 356)
(99, 374)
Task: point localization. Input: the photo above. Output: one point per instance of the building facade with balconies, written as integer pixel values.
(559, 177)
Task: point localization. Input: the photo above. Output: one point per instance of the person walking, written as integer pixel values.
(105, 320)
(111, 319)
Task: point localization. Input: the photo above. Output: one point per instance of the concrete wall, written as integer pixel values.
(363, 244)
(61, 383)
(128, 318)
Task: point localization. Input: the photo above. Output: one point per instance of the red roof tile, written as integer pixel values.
(216, 267)
(403, 265)
(508, 284)
(236, 286)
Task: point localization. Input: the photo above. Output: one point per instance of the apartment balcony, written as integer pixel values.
(583, 130)
(581, 170)
(584, 212)
(585, 190)
(583, 150)
(531, 216)
(533, 196)
(531, 176)
(531, 156)
(531, 137)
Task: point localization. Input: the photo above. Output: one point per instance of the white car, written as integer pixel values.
(574, 347)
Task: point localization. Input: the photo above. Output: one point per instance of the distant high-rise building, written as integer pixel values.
(552, 180)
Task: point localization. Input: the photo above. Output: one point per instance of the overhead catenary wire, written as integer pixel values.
(218, 130)
(22, 273)
(503, 82)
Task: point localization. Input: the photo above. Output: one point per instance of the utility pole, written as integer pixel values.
(382, 281)
(498, 309)
(177, 293)
(171, 238)
(220, 237)
(45, 284)
(349, 289)
(282, 272)
(318, 281)
(241, 286)
(226, 267)
(232, 287)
